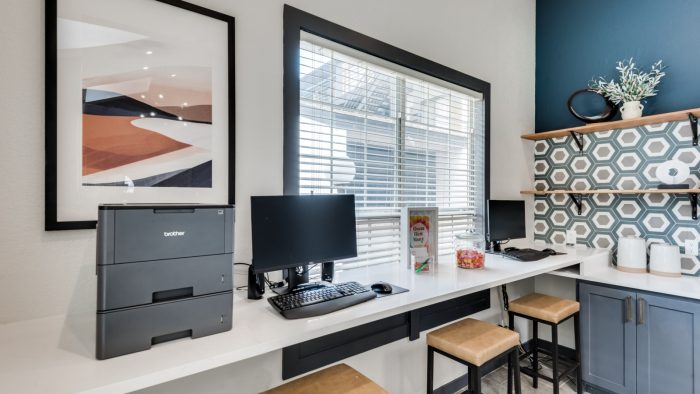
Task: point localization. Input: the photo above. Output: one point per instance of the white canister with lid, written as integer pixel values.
(632, 254)
(665, 260)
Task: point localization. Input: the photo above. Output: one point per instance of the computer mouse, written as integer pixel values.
(549, 251)
(509, 249)
(381, 288)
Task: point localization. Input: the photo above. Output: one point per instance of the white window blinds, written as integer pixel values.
(394, 138)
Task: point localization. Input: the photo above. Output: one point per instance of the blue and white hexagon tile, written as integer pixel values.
(619, 159)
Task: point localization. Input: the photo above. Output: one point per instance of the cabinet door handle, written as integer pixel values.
(640, 311)
(628, 309)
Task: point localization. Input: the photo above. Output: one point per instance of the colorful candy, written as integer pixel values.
(470, 258)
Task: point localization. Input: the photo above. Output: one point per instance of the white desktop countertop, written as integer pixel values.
(57, 354)
(684, 286)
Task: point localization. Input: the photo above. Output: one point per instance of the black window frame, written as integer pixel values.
(296, 21)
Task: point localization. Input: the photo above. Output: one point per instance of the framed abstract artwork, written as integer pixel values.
(139, 106)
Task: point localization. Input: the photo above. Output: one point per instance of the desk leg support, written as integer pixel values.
(414, 326)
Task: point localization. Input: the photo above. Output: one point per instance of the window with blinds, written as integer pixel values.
(392, 137)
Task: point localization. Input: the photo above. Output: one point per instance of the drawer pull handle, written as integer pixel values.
(640, 311)
(173, 210)
(171, 295)
(628, 309)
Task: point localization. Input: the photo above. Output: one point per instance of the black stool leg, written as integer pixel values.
(471, 380)
(511, 326)
(555, 358)
(511, 321)
(515, 355)
(430, 369)
(577, 342)
(510, 372)
(535, 363)
(470, 374)
(476, 387)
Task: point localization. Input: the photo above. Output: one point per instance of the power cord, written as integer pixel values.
(271, 284)
(504, 305)
(309, 268)
(244, 286)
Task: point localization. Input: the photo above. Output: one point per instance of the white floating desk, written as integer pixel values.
(56, 354)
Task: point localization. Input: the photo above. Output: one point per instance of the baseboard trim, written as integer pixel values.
(463, 381)
(593, 389)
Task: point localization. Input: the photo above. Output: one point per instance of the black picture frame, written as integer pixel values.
(296, 20)
(51, 222)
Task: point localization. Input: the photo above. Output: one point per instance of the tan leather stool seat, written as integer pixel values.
(544, 307)
(473, 341)
(338, 379)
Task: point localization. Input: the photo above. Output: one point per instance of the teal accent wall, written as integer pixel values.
(580, 39)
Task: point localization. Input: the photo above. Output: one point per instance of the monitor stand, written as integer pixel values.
(297, 279)
(495, 246)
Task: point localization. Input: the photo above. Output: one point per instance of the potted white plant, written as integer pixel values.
(634, 86)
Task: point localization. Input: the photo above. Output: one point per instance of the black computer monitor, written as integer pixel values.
(506, 220)
(294, 231)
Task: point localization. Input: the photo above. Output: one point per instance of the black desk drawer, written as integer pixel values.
(316, 353)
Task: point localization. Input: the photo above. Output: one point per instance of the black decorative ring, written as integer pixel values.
(610, 108)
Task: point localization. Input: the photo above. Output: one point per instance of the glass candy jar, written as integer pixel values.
(469, 250)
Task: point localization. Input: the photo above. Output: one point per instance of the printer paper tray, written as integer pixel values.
(129, 330)
(125, 285)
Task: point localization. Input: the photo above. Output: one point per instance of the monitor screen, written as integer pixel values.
(289, 231)
(506, 220)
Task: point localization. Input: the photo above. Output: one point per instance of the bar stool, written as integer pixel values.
(472, 343)
(552, 311)
(338, 379)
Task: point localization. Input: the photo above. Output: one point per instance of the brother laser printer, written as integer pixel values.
(164, 272)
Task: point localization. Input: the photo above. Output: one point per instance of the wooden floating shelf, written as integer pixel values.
(577, 195)
(611, 191)
(616, 124)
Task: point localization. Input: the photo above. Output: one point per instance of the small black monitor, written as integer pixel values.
(293, 231)
(506, 220)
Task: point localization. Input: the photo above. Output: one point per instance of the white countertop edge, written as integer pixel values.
(685, 286)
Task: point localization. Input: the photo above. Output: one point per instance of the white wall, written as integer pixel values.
(558, 287)
(48, 273)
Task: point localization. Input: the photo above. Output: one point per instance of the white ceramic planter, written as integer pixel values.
(631, 110)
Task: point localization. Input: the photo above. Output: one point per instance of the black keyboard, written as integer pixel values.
(526, 254)
(319, 301)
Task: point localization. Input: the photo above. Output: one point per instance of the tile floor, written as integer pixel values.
(497, 382)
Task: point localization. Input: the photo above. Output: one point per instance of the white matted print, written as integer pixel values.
(143, 105)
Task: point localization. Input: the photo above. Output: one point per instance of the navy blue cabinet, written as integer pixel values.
(608, 338)
(637, 342)
(668, 345)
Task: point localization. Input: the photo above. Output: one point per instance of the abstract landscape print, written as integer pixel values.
(146, 111)
(149, 130)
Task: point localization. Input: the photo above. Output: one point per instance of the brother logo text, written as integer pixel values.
(173, 233)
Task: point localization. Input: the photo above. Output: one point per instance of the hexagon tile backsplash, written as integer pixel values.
(619, 159)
